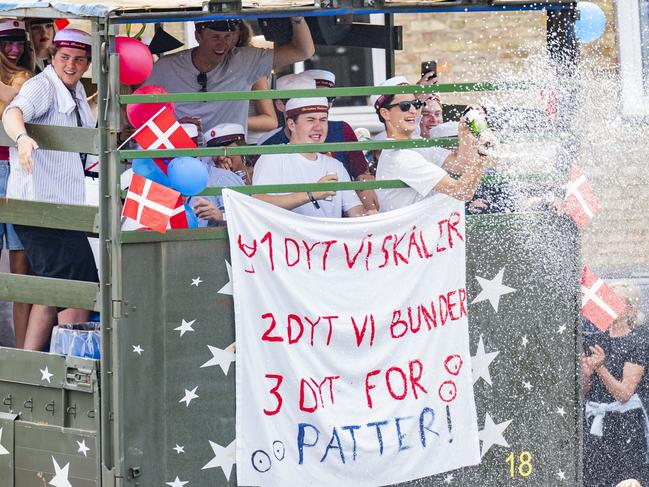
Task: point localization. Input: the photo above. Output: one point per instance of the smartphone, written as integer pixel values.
(430, 68)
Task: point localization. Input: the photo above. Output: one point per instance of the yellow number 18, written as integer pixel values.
(524, 464)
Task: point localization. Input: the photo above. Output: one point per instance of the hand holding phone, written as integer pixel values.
(429, 68)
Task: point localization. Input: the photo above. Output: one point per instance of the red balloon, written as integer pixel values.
(135, 60)
(140, 113)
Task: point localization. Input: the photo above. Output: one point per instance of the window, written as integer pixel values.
(633, 31)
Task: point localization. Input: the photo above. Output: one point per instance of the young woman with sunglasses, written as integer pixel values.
(16, 67)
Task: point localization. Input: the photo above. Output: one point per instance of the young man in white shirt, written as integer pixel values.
(306, 120)
(425, 171)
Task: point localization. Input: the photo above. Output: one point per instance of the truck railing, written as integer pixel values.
(78, 294)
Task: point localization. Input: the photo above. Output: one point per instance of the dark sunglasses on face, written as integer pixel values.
(404, 106)
(202, 80)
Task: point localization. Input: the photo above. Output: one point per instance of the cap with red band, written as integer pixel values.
(298, 106)
(379, 100)
(73, 38)
(322, 78)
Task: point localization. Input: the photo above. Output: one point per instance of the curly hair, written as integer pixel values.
(10, 73)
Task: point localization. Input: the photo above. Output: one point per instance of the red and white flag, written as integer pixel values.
(580, 202)
(179, 216)
(163, 131)
(149, 203)
(599, 303)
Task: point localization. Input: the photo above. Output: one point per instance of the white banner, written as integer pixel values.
(353, 364)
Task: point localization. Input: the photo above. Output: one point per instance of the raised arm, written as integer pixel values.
(266, 119)
(472, 163)
(299, 49)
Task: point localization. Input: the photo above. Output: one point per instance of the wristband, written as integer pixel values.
(309, 195)
(20, 135)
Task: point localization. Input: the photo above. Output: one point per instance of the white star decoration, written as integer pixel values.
(177, 482)
(189, 396)
(561, 412)
(480, 363)
(492, 290)
(60, 475)
(561, 475)
(448, 479)
(224, 457)
(527, 385)
(3, 450)
(492, 434)
(525, 341)
(561, 329)
(185, 326)
(179, 449)
(45, 375)
(222, 358)
(83, 448)
(227, 289)
(137, 349)
(196, 281)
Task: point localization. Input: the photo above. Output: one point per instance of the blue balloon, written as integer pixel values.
(150, 170)
(591, 22)
(188, 175)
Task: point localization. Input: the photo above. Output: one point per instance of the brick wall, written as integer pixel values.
(483, 46)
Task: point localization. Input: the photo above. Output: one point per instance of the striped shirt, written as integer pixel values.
(56, 177)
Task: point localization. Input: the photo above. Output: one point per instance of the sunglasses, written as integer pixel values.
(201, 78)
(404, 106)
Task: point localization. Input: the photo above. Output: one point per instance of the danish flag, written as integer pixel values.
(599, 303)
(179, 216)
(580, 202)
(150, 204)
(163, 131)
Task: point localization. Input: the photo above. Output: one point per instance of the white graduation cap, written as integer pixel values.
(225, 134)
(377, 100)
(74, 38)
(322, 77)
(12, 30)
(298, 106)
(295, 82)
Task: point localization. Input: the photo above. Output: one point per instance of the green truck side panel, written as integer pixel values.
(43, 421)
(541, 260)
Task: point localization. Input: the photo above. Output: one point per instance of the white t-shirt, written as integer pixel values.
(418, 168)
(243, 66)
(295, 169)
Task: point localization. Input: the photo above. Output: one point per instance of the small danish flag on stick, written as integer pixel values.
(149, 203)
(162, 131)
(580, 202)
(599, 303)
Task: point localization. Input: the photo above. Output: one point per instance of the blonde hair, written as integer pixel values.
(16, 74)
(631, 295)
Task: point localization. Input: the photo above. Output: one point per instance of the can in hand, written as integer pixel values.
(476, 120)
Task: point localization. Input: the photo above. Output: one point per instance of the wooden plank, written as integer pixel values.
(50, 215)
(53, 137)
(7, 458)
(54, 292)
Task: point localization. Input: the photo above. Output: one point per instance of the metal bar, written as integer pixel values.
(54, 137)
(322, 92)
(128, 17)
(493, 222)
(49, 215)
(184, 235)
(62, 293)
(296, 188)
(290, 148)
